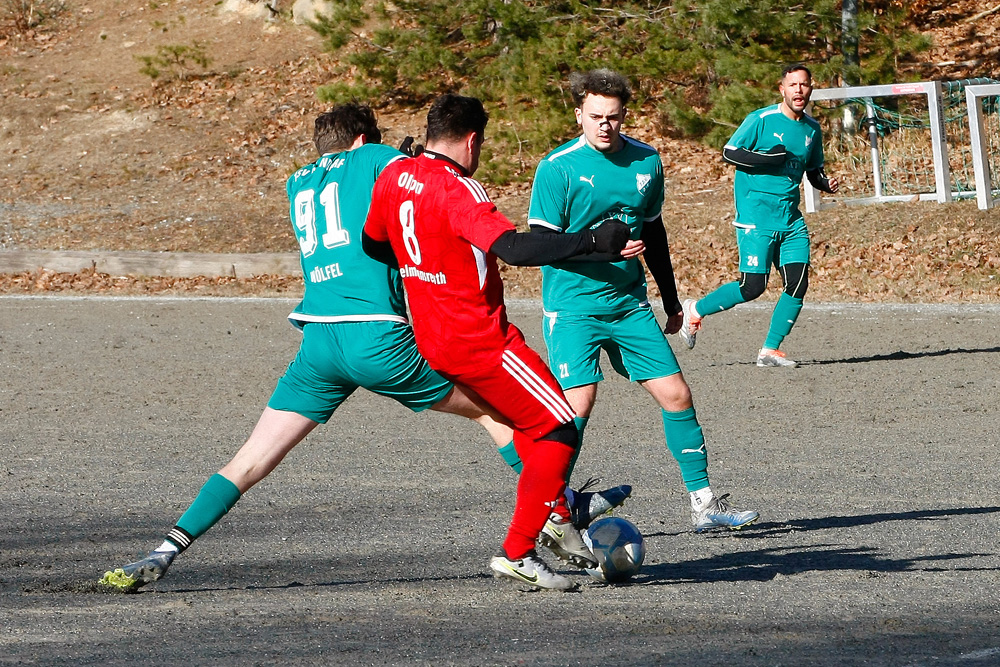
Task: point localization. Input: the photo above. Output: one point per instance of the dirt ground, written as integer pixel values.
(872, 466)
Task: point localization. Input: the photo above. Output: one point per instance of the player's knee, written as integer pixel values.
(752, 285)
(566, 434)
(796, 278)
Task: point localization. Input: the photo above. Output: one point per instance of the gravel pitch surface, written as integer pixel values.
(873, 466)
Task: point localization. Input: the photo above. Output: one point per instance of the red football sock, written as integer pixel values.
(539, 491)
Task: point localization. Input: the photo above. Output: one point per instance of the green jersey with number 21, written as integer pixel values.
(577, 188)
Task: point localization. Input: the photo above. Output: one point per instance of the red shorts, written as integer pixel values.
(518, 384)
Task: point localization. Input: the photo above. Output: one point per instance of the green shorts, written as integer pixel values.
(335, 359)
(760, 249)
(634, 343)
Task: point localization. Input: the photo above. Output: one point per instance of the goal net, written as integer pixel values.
(898, 142)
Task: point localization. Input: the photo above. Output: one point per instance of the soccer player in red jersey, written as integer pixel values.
(437, 223)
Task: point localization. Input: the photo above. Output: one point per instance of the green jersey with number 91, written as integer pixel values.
(329, 202)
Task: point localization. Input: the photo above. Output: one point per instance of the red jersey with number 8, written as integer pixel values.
(440, 225)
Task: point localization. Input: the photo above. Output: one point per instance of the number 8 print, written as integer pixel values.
(409, 231)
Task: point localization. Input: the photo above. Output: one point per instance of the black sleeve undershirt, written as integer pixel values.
(589, 257)
(531, 249)
(380, 251)
(751, 161)
(819, 180)
(657, 256)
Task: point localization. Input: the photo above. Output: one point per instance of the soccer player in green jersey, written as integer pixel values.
(771, 150)
(354, 334)
(600, 304)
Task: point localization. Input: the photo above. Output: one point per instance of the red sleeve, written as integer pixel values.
(474, 216)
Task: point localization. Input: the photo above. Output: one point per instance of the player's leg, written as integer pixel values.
(645, 357)
(466, 403)
(574, 345)
(755, 256)
(792, 258)
(298, 404)
(520, 386)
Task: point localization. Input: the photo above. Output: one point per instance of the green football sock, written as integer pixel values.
(687, 444)
(581, 424)
(510, 457)
(722, 298)
(216, 497)
(786, 311)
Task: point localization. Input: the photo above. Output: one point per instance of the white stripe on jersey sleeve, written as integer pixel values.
(538, 222)
(477, 190)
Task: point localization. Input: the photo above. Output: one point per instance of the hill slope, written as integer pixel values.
(96, 155)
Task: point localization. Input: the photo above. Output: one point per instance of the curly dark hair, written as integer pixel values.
(599, 82)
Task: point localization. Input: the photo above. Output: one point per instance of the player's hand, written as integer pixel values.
(410, 148)
(834, 184)
(611, 237)
(633, 249)
(674, 323)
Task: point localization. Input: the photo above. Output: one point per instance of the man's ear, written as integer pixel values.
(579, 115)
(359, 141)
(470, 142)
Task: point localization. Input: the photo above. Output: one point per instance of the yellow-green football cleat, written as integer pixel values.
(134, 576)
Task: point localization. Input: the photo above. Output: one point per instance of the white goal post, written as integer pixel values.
(986, 183)
(939, 146)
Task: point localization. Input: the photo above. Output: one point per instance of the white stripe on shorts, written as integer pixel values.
(546, 395)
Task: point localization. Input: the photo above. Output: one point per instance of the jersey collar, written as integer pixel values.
(431, 155)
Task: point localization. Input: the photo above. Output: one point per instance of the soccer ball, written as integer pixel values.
(619, 549)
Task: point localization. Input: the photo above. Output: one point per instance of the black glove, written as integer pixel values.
(409, 148)
(611, 236)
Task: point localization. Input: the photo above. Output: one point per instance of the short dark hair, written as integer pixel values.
(454, 116)
(796, 67)
(336, 129)
(602, 82)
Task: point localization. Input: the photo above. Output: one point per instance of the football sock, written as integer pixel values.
(786, 311)
(701, 497)
(167, 546)
(581, 424)
(510, 457)
(216, 497)
(722, 298)
(541, 481)
(687, 444)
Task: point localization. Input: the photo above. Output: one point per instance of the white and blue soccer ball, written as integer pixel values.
(618, 546)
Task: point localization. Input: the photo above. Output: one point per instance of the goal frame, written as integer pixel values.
(985, 198)
(939, 145)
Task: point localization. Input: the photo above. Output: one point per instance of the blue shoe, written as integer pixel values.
(718, 514)
(588, 505)
(134, 576)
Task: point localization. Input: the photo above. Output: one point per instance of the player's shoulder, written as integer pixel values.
(379, 155)
(640, 147)
(766, 112)
(566, 151)
(810, 121)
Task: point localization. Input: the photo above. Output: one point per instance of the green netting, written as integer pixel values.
(899, 126)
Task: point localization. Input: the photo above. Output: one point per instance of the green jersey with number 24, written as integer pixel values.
(768, 198)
